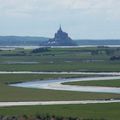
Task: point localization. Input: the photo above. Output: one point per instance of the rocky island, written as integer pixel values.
(61, 39)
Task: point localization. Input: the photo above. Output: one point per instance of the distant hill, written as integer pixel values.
(99, 42)
(36, 41)
(21, 40)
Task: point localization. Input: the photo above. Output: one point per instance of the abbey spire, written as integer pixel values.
(60, 28)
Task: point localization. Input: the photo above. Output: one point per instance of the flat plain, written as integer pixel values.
(88, 59)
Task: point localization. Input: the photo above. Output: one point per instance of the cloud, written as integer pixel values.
(90, 4)
(60, 9)
(44, 5)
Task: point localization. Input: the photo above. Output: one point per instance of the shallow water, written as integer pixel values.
(18, 62)
(34, 47)
(57, 85)
(82, 73)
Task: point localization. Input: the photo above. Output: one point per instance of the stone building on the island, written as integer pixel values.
(61, 39)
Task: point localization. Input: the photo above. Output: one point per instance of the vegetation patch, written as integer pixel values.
(103, 83)
(108, 111)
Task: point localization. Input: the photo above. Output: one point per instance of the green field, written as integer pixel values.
(75, 66)
(104, 83)
(61, 59)
(92, 111)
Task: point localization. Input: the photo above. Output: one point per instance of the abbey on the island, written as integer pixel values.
(61, 39)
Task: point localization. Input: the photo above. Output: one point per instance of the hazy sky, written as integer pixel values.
(96, 19)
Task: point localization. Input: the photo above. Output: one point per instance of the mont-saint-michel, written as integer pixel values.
(61, 39)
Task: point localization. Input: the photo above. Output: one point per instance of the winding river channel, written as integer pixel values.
(56, 84)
